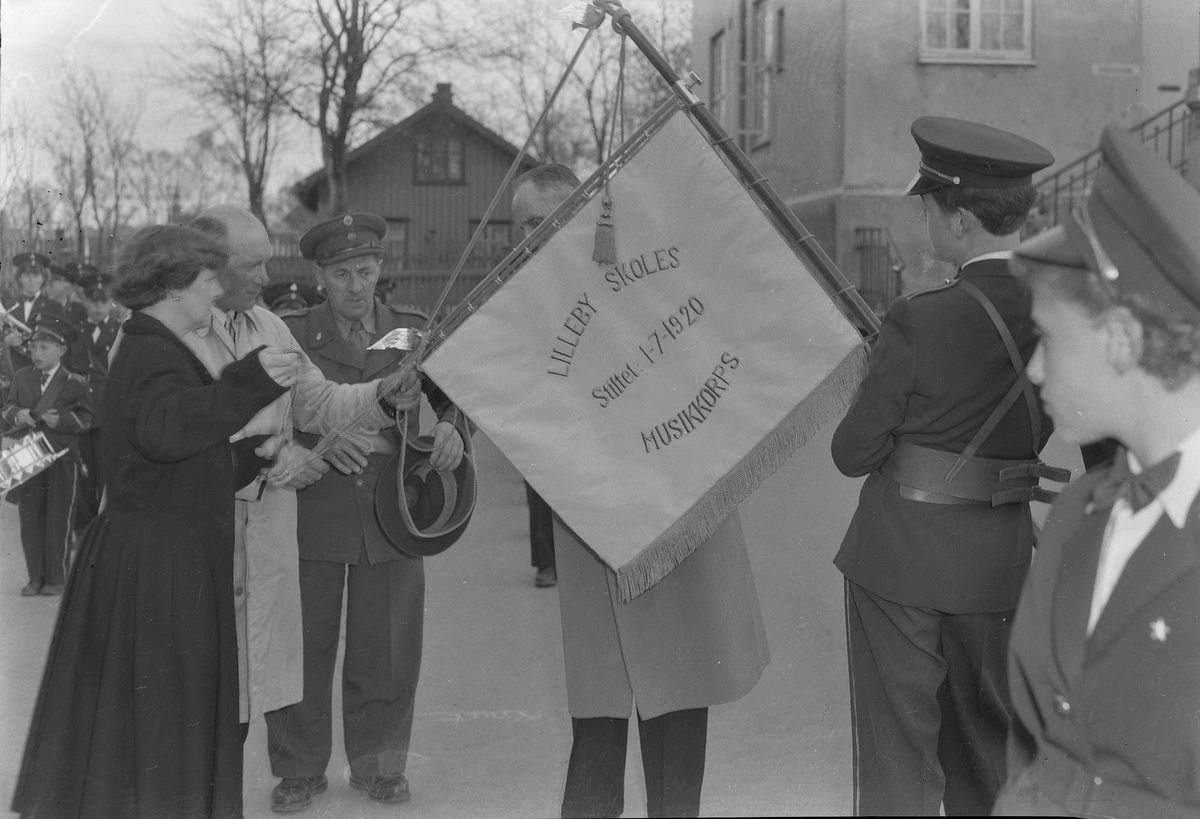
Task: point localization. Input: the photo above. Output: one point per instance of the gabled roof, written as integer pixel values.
(408, 128)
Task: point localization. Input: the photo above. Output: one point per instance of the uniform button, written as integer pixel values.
(358, 482)
(1098, 781)
(238, 591)
(1062, 706)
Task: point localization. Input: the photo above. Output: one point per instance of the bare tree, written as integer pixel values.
(171, 186)
(529, 49)
(91, 152)
(242, 70)
(366, 59)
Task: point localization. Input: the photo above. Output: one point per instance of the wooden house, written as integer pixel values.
(431, 176)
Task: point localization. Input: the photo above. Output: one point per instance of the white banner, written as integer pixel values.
(644, 400)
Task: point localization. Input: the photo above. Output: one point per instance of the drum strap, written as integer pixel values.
(53, 390)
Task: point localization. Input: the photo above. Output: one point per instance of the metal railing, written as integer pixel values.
(879, 267)
(1166, 133)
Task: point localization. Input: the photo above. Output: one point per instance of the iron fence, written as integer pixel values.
(1166, 133)
(879, 267)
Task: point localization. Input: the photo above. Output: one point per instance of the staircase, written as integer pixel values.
(1166, 133)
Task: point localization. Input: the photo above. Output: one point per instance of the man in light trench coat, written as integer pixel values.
(694, 639)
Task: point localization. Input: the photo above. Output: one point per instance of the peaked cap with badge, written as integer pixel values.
(51, 327)
(958, 153)
(344, 237)
(1139, 227)
(39, 262)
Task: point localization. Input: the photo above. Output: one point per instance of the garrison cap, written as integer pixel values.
(52, 327)
(958, 153)
(344, 237)
(35, 261)
(1139, 227)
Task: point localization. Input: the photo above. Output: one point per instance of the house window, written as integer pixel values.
(439, 159)
(395, 244)
(716, 70)
(499, 237)
(976, 31)
(758, 79)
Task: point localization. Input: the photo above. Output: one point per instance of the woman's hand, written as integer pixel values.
(282, 365)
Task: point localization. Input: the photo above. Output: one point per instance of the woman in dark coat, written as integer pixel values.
(137, 715)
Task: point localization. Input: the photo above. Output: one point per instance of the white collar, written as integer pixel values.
(50, 374)
(985, 257)
(1180, 494)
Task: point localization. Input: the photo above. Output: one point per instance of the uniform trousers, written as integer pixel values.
(541, 530)
(46, 504)
(385, 605)
(929, 704)
(673, 751)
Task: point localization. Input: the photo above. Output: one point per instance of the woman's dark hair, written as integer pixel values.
(159, 258)
(1001, 211)
(1170, 340)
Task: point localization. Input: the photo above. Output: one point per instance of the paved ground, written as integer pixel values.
(492, 733)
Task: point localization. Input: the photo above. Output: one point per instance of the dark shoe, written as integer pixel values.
(31, 588)
(291, 795)
(51, 591)
(546, 577)
(383, 788)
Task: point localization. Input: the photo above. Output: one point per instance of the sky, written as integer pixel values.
(129, 42)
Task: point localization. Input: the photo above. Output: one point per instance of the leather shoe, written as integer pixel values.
(546, 577)
(31, 588)
(383, 788)
(51, 591)
(291, 795)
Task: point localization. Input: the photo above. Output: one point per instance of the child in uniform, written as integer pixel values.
(45, 397)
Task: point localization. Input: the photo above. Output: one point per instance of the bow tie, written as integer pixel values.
(1139, 490)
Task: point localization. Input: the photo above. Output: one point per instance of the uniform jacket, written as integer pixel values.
(694, 639)
(266, 557)
(73, 404)
(337, 513)
(1110, 723)
(937, 371)
(89, 356)
(42, 304)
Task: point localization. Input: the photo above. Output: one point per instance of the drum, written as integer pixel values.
(29, 456)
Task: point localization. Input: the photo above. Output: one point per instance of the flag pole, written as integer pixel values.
(802, 239)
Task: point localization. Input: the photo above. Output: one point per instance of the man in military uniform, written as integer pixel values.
(289, 298)
(33, 272)
(1103, 659)
(342, 546)
(941, 540)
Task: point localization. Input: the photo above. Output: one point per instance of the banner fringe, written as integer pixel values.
(831, 397)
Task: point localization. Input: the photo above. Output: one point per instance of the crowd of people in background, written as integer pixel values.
(225, 436)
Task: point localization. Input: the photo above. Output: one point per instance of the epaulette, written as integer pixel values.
(946, 285)
(299, 311)
(76, 377)
(408, 310)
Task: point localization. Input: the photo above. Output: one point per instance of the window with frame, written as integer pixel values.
(439, 159)
(498, 238)
(758, 80)
(716, 80)
(977, 31)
